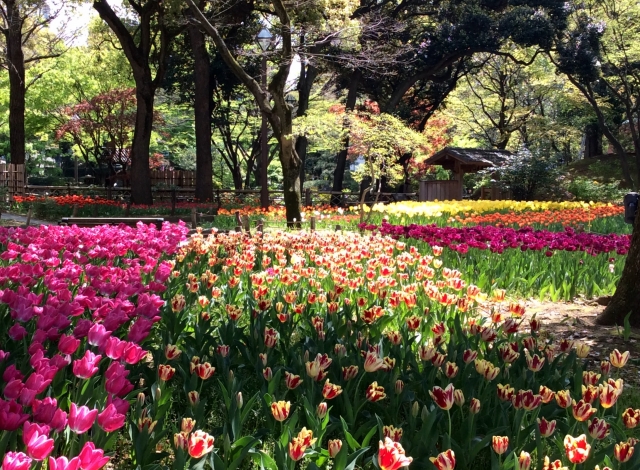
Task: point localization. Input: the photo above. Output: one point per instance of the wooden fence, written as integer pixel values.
(12, 179)
(441, 190)
(169, 178)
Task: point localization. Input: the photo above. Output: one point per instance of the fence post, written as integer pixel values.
(128, 208)
(68, 189)
(194, 221)
(173, 201)
(307, 198)
(29, 216)
(75, 210)
(338, 228)
(313, 223)
(95, 210)
(260, 226)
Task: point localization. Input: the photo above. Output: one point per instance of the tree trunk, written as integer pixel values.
(290, 181)
(592, 141)
(202, 116)
(341, 163)
(15, 64)
(140, 176)
(308, 74)
(627, 296)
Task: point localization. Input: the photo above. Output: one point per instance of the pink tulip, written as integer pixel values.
(4, 355)
(81, 418)
(113, 348)
(16, 461)
(17, 332)
(37, 440)
(43, 410)
(82, 328)
(13, 389)
(11, 416)
(39, 382)
(110, 420)
(62, 463)
(140, 330)
(92, 458)
(122, 406)
(11, 373)
(133, 353)
(68, 344)
(98, 335)
(59, 420)
(87, 366)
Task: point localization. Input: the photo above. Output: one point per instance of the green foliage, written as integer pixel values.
(528, 176)
(585, 189)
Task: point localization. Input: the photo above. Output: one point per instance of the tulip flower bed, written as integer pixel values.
(283, 351)
(560, 265)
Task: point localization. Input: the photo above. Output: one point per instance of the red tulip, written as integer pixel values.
(623, 451)
(444, 461)
(391, 455)
(292, 381)
(200, 443)
(598, 428)
(577, 448)
(546, 427)
(330, 391)
(443, 398)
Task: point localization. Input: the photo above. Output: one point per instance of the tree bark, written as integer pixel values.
(592, 141)
(202, 115)
(627, 296)
(308, 74)
(140, 175)
(341, 159)
(291, 181)
(17, 90)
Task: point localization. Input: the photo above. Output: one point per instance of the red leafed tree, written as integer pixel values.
(101, 127)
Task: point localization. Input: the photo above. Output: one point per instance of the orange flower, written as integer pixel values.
(444, 461)
(391, 455)
(200, 443)
(375, 392)
(619, 359)
(500, 444)
(582, 410)
(280, 410)
(330, 391)
(516, 309)
(577, 448)
(623, 451)
(546, 427)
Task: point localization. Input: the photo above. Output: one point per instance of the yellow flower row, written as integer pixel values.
(438, 208)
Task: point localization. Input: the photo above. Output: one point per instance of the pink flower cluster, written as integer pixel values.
(498, 239)
(74, 303)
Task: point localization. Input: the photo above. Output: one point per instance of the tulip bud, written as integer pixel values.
(399, 387)
(415, 409)
(231, 376)
(322, 410)
(458, 397)
(425, 413)
(194, 398)
(306, 356)
(141, 399)
(239, 400)
(267, 374)
(334, 447)
(474, 406)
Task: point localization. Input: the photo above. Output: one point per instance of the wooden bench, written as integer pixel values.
(95, 221)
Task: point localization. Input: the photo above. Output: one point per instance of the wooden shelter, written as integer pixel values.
(460, 161)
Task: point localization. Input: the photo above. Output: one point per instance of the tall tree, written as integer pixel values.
(601, 58)
(147, 46)
(23, 26)
(202, 112)
(279, 114)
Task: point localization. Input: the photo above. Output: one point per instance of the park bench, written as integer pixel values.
(95, 221)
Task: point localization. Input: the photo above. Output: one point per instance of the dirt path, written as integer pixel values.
(576, 321)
